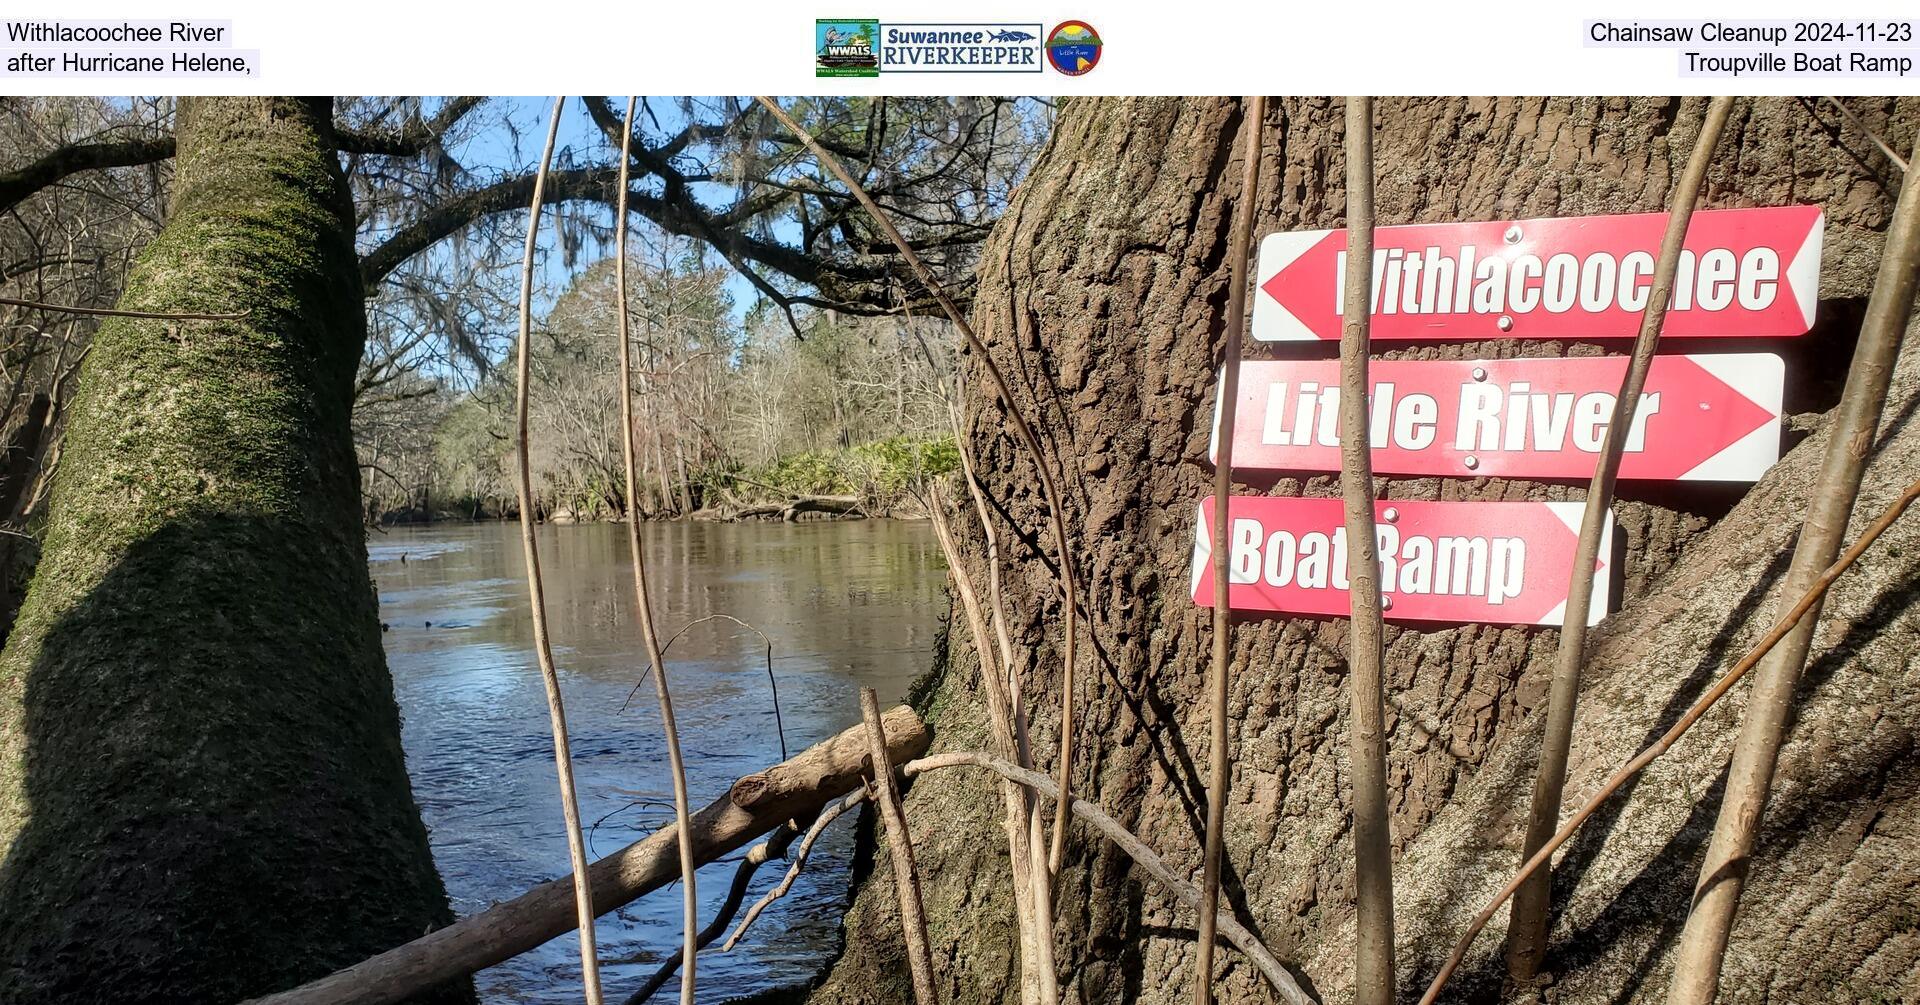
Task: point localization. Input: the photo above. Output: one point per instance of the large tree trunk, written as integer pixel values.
(202, 792)
(1101, 295)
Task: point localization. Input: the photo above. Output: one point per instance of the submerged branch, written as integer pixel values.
(766, 851)
(819, 826)
(779, 725)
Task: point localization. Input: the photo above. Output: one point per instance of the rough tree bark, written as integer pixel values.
(202, 791)
(1097, 294)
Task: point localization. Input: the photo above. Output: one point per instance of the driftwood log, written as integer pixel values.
(756, 803)
(791, 509)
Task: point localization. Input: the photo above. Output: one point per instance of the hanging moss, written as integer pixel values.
(202, 790)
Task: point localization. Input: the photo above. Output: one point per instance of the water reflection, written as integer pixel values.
(845, 604)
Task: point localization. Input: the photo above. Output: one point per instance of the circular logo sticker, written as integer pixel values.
(1073, 47)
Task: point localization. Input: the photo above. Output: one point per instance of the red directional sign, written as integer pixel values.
(1700, 418)
(1744, 272)
(1504, 563)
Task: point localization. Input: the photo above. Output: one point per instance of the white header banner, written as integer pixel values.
(894, 47)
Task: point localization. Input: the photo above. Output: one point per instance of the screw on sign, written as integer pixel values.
(1503, 563)
(1699, 418)
(1742, 272)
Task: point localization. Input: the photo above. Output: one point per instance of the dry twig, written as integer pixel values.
(1527, 937)
(1220, 773)
(543, 650)
(819, 826)
(1276, 974)
(906, 877)
(1366, 654)
(682, 810)
(1056, 510)
(1024, 840)
(1763, 727)
(1779, 631)
(766, 851)
(1847, 113)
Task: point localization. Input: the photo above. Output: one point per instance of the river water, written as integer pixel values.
(845, 604)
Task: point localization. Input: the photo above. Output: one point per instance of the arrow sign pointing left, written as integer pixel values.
(1742, 272)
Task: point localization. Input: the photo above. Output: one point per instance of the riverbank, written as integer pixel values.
(804, 509)
(883, 479)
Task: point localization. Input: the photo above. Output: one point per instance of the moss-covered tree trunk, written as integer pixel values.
(202, 791)
(1101, 295)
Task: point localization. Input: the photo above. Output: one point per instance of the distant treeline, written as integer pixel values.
(732, 409)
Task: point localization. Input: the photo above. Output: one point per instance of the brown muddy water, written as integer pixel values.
(845, 604)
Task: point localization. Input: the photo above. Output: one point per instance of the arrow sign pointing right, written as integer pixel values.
(1699, 418)
(1506, 563)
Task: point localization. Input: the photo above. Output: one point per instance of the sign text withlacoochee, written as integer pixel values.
(1496, 562)
(1743, 272)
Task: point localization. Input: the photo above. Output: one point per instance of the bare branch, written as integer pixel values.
(1878, 141)
(104, 312)
(1781, 628)
(819, 826)
(906, 876)
(755, 804)
(1770, 706)
(766, 851)
(1366, 656)
(1056, 510)
(409, 140)
(838, 280)
(21, 182)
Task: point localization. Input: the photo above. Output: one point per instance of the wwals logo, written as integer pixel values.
(846, 48)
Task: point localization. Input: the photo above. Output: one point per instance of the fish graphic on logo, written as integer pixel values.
(846, 48)
(1009, 35)
(1073, 47)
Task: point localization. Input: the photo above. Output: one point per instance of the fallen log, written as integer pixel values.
(791, 509)
(756, 804)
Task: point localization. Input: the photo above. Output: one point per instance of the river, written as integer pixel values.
(845, 604)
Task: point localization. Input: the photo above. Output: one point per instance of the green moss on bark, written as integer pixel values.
(202, 790)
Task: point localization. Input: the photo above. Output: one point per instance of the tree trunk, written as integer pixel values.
(680, 472)
(202, 792)
(1098, 293)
